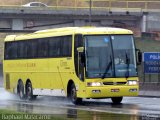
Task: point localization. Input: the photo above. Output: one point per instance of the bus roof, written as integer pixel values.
(68, 31)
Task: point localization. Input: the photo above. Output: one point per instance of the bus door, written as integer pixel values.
(79, 58)
(81, 62)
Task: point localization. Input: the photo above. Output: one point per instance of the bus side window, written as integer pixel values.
(11, 50)
(54, 47)
(32, 50)
(7, 49)
(60, 46)
(42, 48)
(66, 46)
(22, 49)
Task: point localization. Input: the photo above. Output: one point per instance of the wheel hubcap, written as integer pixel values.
(29, 92)
(73, 94)
(21, 94)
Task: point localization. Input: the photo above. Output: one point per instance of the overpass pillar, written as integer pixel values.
(17, 24)
(79, 23)
(144, 23)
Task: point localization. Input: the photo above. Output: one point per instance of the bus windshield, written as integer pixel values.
(110, 56)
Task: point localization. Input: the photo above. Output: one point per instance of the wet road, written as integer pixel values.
(132, 108)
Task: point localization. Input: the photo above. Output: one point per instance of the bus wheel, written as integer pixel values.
(21, 90)
(73, 95)
(29, 92)
(117, 100)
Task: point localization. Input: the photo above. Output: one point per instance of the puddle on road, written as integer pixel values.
(76, 114)
(62, 108)
(5, 95)
(69, 114)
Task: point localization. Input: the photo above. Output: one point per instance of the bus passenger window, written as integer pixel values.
(11, 50)
(42, 48)
(32, 49)
(54, 47)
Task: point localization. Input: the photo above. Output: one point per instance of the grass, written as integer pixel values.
(148, 45)
(48, 2)
(71, 114)
(85, 3)
(14, 115)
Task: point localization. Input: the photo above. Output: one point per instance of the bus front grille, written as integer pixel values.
(114, 83)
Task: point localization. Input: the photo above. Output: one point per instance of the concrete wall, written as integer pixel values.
(153, 22)
(5, 24)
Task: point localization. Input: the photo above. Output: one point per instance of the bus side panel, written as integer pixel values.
(54, 75)
(38, 73)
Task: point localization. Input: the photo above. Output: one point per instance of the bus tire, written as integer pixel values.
(20, 90)
(73, 95)
(29, 92)
(117, 100)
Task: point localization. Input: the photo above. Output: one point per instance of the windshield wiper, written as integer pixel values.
(107, 68)
(127, 62)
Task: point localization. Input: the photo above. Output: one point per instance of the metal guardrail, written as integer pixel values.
(144, 5)
(123, 5)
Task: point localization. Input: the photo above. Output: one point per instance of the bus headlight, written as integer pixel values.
(132, 82)
(94, 84)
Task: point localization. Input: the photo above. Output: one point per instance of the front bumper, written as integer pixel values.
(111, 91)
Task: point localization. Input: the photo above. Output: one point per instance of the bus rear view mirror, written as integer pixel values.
(139, 56)
(80, 49)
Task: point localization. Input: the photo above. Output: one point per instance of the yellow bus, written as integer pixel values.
(77, 62)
